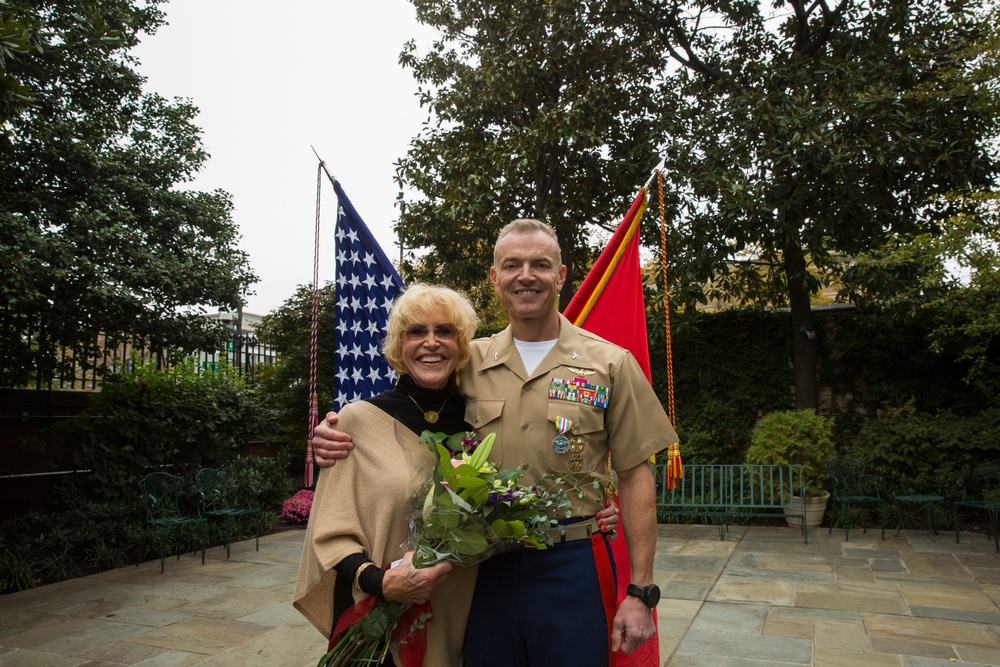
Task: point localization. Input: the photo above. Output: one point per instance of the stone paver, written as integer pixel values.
(759, 598)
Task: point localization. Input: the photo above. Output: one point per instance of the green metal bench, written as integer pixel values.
(981, 491)
(216, 502)
(721, 492)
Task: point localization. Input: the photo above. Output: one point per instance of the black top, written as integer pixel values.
(406, 403)
(401, 403)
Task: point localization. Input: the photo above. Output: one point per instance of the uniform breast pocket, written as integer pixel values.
(580, 449)
(485, 417)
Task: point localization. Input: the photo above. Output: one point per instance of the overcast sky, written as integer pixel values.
(271, 80)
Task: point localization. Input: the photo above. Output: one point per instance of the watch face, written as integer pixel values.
(650, 595)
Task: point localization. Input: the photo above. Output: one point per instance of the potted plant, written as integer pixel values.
(797, 437)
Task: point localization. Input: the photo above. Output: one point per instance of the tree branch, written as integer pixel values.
(669, 29)
(808, 42)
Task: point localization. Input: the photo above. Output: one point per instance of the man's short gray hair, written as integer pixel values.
(527, 226)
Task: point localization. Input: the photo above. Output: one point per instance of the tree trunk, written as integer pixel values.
(804, 349)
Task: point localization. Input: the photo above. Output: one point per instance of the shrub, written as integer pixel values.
(259, 481)
(921, 453)
(797, 437)
(296, 509)
(91, 536)
(151, 418)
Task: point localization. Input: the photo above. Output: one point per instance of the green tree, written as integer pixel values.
(285, 383)
(536, 109)
(948, 277)
(96, 234)
(799, 133)
(14, 40)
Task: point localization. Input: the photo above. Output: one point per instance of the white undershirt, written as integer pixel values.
(533, 352)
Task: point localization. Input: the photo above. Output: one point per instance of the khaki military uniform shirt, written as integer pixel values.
(504, 399)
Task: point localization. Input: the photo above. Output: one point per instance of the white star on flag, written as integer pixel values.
(360, 326)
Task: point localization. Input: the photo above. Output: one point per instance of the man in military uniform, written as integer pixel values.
(559, 400)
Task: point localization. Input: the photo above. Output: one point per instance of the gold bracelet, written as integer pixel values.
(357, 573)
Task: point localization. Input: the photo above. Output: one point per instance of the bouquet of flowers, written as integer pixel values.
(467, 512)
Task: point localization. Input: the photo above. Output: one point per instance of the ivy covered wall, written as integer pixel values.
(898, 405)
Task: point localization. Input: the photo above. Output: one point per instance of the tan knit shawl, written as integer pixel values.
(362, 504)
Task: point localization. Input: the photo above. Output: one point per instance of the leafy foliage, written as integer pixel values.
(730, 368)
(258, 481)
(952, 278)
(798, 133)
(881, 361)
(284, 385)
(535, 110)
(15, 39)
(923, 453)
(795, 437)
(41, 548)
(95, 234)
(151, 418)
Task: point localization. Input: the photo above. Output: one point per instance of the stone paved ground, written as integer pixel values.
(759, 597)
(763, 597)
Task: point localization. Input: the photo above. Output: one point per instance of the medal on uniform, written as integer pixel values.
(561, 443)
(576, 463)
(576, 445)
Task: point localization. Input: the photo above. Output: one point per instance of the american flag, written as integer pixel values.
(367, 286)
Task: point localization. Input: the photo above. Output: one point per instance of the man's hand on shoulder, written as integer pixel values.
(329, 444)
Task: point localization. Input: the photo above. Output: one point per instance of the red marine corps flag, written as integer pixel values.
(610, 304)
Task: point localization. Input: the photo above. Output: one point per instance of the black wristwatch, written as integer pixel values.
(650, 595)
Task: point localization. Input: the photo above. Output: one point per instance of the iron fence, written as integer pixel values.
(113, 354)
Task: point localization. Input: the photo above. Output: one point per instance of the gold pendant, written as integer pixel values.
(431, 416)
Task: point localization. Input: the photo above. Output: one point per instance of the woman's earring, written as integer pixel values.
(458, 379)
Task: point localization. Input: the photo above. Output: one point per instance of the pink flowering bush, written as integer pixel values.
(296, 509)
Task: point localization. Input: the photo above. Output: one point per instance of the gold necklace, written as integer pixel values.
(430, 416)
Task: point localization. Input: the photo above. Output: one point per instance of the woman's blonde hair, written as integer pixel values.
(421, 303)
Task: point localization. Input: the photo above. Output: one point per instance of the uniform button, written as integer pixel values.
(524, 427)
(525, 466)
(526, 387)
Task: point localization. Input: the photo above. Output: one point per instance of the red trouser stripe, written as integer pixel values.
(609, 589)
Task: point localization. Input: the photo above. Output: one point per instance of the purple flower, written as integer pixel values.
(470, 441)
(492, 499)
(296, 509)
(469, 444)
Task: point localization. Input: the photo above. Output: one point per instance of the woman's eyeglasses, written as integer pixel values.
(420, 331)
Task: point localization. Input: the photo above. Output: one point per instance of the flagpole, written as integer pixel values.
(313, 336)
(314, 323)
(322, 165)
(656, 170)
